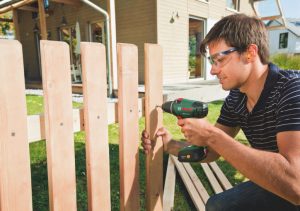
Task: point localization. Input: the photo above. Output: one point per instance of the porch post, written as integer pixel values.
(42, 18)
(113, 38)
(16, 24)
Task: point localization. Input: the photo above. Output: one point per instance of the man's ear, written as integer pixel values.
(251, 53)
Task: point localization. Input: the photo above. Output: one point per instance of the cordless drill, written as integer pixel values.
(184, 108)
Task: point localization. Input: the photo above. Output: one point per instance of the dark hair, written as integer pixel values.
(239, 30)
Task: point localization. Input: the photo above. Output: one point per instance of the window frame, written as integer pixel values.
(283, 40)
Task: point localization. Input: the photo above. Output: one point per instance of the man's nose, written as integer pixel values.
(214, 70)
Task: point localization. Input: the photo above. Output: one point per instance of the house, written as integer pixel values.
(177, 25)
(285, 40)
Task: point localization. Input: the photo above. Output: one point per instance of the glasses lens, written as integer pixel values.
(211, 61)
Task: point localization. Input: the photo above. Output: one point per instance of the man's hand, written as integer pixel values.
(147, 144)
(196, 131)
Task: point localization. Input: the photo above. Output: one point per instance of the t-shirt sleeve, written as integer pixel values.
(227, 116)
(288, 111)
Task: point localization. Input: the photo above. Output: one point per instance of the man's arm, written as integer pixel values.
(276, 172)
(173, 146)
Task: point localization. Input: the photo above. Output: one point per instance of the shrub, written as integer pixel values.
(286, 61)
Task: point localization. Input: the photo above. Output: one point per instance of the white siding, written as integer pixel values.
(293, 42)
(173, 37)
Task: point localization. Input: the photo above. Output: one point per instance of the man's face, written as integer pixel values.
(227, 65)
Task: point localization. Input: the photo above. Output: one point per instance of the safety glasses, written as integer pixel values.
(219, 59)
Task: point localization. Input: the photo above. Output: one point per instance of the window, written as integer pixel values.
(97, 32)
(283, 40)
(232, 4)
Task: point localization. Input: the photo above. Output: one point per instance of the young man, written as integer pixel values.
(264, 102)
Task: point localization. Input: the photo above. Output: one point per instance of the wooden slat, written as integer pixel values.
(15, 178)
(42, 19)
(70, 2)
(153, 119)
(15, 6)
(169, 188)
(16, 24)
(197, 183)
(95, 112)
(274, 17)
(220, 176)
(129, 128)
(199, 204)
(55, 59)
(212, 179)
(36, 130)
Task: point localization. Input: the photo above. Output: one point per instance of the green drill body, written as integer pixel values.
(184, 108)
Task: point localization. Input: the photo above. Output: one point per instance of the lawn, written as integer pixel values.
(39, 164)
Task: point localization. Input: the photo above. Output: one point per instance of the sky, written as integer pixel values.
(290, 8)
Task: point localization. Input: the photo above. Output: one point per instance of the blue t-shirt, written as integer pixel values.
(277, 109)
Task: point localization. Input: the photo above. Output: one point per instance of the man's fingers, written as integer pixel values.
(161, 131)
(145, 134)
(180, 122)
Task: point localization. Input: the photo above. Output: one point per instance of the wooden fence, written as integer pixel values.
(59, 122)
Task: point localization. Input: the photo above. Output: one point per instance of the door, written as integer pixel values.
(196, 35)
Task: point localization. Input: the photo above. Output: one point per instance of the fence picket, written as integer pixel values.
(153, 119)
(55, 60)
(95, 113)
(129, 128)
(15, 176)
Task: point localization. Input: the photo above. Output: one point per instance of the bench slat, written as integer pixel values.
(195, 179)
(212, 179)
(220, 176)
(169, 189)
(199, 204)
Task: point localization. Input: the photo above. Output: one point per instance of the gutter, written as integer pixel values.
(108, 53)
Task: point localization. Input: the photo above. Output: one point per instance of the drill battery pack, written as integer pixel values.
(192, 154)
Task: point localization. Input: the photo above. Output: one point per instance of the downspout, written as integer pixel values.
(108, 57)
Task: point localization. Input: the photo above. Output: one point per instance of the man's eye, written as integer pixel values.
(219, 60)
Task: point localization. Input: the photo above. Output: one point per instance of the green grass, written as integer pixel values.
(39, 164)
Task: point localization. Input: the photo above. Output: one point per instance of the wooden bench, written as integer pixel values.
(195, 188)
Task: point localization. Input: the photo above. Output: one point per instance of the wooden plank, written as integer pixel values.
(28, 8)
(274, 17)
(16, 24)
(69, 2)
(196, 181)
(42, 19)
(220, 176)
(129, 128)
(15, 178)
(95, 112)
(212, 179)
(199, 204)
(58, 125)
(153, 120)
(169, 189)
(36, 129)
(15, 6)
